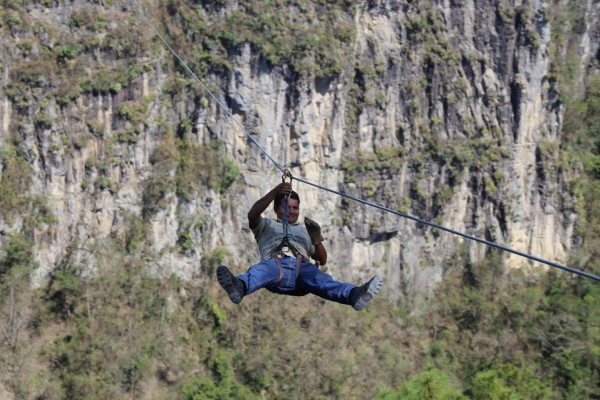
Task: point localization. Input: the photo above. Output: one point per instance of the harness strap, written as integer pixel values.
(278, 261)
(276, 257)
(285, 243)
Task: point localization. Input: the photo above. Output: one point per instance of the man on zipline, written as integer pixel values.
(285, 247)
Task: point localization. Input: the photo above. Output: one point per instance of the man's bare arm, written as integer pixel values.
(263, 203)
(320, 254)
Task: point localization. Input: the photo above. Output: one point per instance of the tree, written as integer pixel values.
(431, 384)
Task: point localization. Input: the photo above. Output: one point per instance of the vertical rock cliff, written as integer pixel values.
(448, 111)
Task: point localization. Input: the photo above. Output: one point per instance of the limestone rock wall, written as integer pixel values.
(448, 113)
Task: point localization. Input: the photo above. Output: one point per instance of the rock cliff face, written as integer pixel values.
(448, 111)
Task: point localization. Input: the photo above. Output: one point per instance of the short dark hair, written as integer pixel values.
(280, 197)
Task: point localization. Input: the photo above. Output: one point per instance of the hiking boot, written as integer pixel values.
(360, 296)
(232, 285)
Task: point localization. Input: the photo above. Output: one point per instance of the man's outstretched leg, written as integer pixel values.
(323, 285)
(232, 285)
(360, 296)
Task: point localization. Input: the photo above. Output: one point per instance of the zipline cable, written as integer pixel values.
(455, 232)
(365, 202)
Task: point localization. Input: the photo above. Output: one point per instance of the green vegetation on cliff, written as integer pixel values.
(120, 332)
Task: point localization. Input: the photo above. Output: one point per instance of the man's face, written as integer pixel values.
(293, 210)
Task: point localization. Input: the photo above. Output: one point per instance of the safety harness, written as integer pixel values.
(285, 248)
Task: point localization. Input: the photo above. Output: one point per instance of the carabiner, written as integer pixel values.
(286, 174)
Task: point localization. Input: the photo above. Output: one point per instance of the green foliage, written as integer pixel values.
(16, 265)
(42, 121)
(107, 327)
(507, 381)
(211, 260)
(431, 384)
(39, 214)
(182, 167)
(67, 290)
(230, 172)
(105, 183)
(206, 389)
(89, 19)
(135, 112)
(67, 52)
(217, 313)
(85, 358)
(357, 164)
(313, 39)
(479, 150)
(13, 19)
(15, 178)
(522, 334)
(111, 79)
(582, 130)
(17, 256)
(185, 240)
(564, 48)
(137, 234)
(121, 328)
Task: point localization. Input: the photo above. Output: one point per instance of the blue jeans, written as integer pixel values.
(266, 274)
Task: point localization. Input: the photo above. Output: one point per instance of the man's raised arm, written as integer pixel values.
(263, 203)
